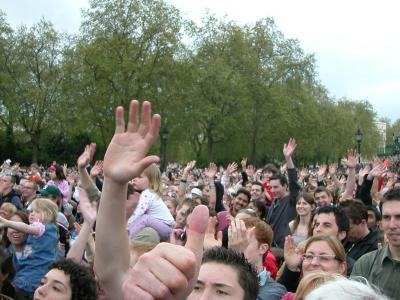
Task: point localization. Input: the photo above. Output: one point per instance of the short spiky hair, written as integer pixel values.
(247, 274)
(83, 285)
(391, 195)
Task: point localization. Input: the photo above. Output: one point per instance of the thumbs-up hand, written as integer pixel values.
(169, 271)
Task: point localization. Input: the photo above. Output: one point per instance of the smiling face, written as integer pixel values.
(241, 201)
(211, 285)
(55, 285)
(15, 237)
(323, 259)
(303, 208)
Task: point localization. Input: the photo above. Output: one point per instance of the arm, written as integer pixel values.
(82, 162)
(183, 183)
(20, 226)
(212, 170)
(294, 187)
(89, 216)
(124, 159)
(351, 163)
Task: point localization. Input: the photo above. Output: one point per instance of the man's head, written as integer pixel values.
(29, 189)
(374, 217)
(323, 196)
(260, 239)
(53, 193)
(7, 182)
(390, 208)
(279, 185)
(241, 200)
(357, 214)
(331, 220)
(257, 190)
(238, 282)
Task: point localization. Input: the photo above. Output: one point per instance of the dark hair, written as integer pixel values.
(321, 189)
(391, 195)
(355, 210)
(59, 172)
(24, 217)
(259, 184)
(376, 212)
(247, 274)
(341, 219)
(271, 168)
(262, 209)
(282, 179)
(310, 200)
(245, 192)
(83, 285)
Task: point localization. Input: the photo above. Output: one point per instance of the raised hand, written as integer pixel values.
(243, 163)
(190, 165)
(303, 173)
(88, 210)
(237, 236)
(232, 167)
(125, 157)
(352, 158)
(211, 171)
(209, 239)
(322, 170)
(97, 169)
(289, 148)
(291, 253)
(87, 155)
(377, 171)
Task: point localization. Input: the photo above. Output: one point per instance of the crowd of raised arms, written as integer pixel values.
(122, 229)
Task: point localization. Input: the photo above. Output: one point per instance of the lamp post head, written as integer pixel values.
(358, 136)
(164, 134)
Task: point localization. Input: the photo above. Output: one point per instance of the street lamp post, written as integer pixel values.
(358, 140)
(163, 148)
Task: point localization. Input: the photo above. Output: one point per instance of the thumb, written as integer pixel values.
(197, 229)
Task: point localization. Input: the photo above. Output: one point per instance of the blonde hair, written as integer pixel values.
(9, 207)
(153, 174)
(311, 281)
(48, 208)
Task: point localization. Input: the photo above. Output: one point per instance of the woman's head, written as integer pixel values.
(324, 253)
(66, 280)
(311, 281)
(43, 210)
(305, 204)
(56, 172)
(15, 237)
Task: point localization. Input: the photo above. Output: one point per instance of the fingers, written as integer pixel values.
(144, 126)
(197, 228)
(119, 120)
(133, 123)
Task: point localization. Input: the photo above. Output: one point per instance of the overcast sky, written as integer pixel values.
(356, 43)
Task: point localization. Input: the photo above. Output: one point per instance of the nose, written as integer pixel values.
(42, 290)
(393, 223)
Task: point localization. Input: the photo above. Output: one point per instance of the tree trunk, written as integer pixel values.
(210, 145)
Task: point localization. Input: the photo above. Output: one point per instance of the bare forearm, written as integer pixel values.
(78, 248)
(289, 162)
(86, 180)
(350, 183)
(111, 233)
(20, 226)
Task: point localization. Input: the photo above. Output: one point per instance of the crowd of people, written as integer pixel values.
(120, 228)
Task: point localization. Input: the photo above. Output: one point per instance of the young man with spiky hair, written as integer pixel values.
(225, 274)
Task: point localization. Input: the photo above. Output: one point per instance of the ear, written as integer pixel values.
(263, 248)
(342, 235)
(343, 268)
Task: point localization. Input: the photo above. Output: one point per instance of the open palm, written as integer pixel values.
(126, 154)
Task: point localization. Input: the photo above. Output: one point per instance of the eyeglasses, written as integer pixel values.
(322, 258)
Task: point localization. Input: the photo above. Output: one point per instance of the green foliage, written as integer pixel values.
(224, 90)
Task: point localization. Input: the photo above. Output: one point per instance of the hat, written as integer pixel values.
(197, 192)
(50, 190)
(147, 235)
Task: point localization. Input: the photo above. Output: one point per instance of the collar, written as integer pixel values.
(263, 277)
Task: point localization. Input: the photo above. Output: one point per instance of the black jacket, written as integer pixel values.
(357, 249)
